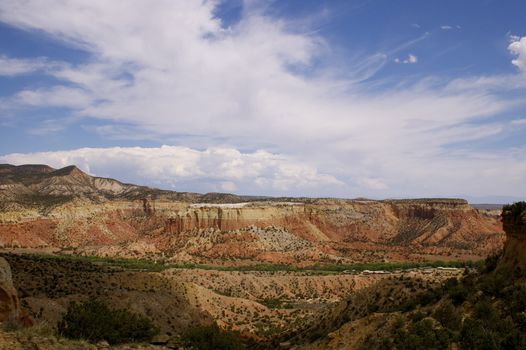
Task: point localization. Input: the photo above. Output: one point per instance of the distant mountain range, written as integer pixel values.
(38, 184)
(42, 185)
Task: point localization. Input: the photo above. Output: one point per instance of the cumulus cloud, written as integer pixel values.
(182, 168)
(518, 48)
(171, 70)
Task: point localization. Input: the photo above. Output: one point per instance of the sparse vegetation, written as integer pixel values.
(484, 311)
(275, 303)
(94, 320)
(156, 266)
(212, 338)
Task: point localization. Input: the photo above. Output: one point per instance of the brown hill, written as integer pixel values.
(41, 185)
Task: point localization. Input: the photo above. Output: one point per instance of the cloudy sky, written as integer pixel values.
(302, 97)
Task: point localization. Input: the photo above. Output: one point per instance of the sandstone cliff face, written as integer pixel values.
(514, 222)
(9, 306)
(264, 231)
(426, 222)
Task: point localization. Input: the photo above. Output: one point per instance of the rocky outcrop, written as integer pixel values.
(9, 306)
(514, 223)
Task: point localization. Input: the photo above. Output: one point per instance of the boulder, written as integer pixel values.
(514, 222)
(9, 305)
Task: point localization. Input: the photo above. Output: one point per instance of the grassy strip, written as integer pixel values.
(127, 264)
(152, 266)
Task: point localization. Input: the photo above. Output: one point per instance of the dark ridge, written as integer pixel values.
(26, 169)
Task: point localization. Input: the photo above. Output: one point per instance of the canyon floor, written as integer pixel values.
(267, 307)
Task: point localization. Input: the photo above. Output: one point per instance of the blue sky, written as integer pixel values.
(320, 98)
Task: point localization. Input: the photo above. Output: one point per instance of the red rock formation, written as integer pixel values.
(335, 227)
(427, 222)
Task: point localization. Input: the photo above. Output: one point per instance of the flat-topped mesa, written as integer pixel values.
(421, 221)
(425, 208)
(514, 223)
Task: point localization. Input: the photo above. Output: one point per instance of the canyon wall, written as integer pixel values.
(266, 231)
(402, 222)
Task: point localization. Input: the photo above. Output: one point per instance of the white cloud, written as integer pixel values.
(214, 169)
(56, 96)
(170, 70)
(12, 66)
(518, 48)
(519, 121)
(411, 59)
(47, 127)
(373, 183)
(446, 27)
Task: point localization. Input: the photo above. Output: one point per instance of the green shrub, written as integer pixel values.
(448, 316)
(490, 263)
(458, 292)
(212, 338)
(422, 335)
(475, 335)
(494, 284)
(429, 296)
(514, 210)
(94, 321)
